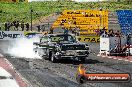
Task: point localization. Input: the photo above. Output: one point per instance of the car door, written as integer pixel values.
(43, 47)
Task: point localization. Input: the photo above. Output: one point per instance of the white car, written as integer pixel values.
(6, 79)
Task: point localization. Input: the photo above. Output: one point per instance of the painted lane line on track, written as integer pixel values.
(98, 55)
(8, 79)
(120, 59)
(9, 67)
(109, 57)
(24, 80)
(116, 58)
(126, 60)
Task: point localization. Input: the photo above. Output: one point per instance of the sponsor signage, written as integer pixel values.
(89, 20)
(89, 39)
(10, 35)
(84, 76)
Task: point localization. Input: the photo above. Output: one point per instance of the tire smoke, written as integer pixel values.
(23, 47)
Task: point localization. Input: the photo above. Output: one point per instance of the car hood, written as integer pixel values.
(74, 46)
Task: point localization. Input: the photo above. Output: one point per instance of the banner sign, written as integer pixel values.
(95, 39)
(10, 35)
(89, 20)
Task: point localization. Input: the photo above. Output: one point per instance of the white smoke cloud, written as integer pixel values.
(23, 47)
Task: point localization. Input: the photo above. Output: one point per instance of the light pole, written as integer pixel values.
(31, 17)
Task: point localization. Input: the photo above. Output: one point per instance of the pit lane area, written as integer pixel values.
(43, 73)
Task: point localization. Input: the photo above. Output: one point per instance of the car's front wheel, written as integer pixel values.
(83, 60)
(53, 58)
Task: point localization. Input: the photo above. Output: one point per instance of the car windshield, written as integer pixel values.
(62, 38)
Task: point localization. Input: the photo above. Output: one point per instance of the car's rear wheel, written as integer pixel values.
(35, 50)
(50, 54)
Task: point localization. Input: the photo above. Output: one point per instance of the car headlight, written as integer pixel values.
(87, 47)
(57, 53)
(63, 52)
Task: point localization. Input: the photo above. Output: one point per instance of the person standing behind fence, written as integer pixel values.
(27, 26)
(38, 28)
(0, 26)
(14, 23)
(22, 26)
(7, 26)
(17, 25)
(43, 28)
(66, 31)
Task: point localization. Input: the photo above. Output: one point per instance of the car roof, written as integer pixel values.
(32, 33)
(56, 34)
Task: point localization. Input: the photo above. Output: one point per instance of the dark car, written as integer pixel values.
(59, 46)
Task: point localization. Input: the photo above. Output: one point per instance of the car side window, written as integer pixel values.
(44, 39)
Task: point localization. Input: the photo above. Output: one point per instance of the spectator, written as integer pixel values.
(74, 20)
(7, 26)
(13, 24)
(0, 26)
(125, 48)
(97, 32)
(66, 31)
(22, 26)
(69, 22)
(77, 31)
(38, 28)
(103, 31)
(117, 33)
(62, 22)
(48, 25)
(17, 25)
(100, 8)
(27, 26)
(111, 33)
(86, 14)
(129, 39)
(51, 30)
(73, 30)
(43, 28)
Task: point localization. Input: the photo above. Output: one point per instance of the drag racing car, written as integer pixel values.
(59, 46)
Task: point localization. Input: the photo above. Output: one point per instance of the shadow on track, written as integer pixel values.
(76, 62)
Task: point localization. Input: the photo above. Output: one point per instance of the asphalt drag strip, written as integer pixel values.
(43, 73)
